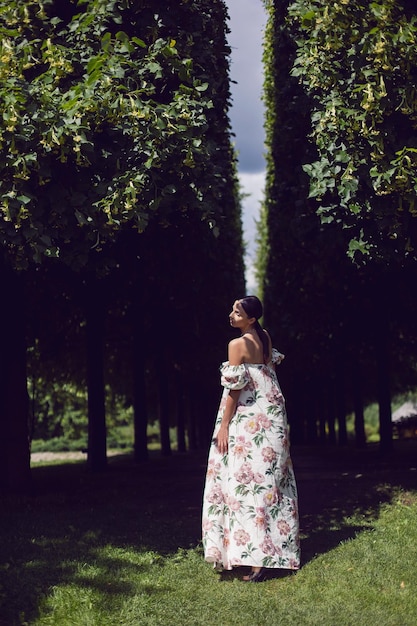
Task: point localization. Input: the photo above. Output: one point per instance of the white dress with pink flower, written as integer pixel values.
(250, 512)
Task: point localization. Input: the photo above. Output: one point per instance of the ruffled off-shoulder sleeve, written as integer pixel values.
(277, 356)
(233, 376)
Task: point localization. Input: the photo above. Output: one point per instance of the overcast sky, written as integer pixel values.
(247, 25)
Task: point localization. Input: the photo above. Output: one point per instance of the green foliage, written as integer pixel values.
(327, 314)
(358, 63)
(99, 127)
(59, 411)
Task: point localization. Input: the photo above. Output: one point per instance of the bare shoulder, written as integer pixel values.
(235, 351)
(236, 344)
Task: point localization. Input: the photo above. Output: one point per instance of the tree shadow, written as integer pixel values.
(74, 515)
(341, 490)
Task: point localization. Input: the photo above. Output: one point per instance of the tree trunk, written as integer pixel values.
(310, 410)
(140, 418)
(341, 408)
(192, 421)
(295, 414)
(384, 394)
(360, 435)
(14, 400)
(181, 443)
(97, 457)
(164, 406)
(323, 399)
(331, 421)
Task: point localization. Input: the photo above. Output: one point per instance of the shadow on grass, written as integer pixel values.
(341, 490)
(58, 535)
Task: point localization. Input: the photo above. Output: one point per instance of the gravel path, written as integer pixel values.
(42, 457)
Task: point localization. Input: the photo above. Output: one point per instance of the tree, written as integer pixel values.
(358, 64)
(93, 121)
(327, 313)
(100, 128)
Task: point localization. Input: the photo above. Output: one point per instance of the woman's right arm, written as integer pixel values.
(222, 437)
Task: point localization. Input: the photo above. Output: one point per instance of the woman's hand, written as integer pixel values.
(222, 439)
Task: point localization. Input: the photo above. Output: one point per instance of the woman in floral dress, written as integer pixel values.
(250, 512)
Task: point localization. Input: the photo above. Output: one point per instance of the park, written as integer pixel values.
(122, 252)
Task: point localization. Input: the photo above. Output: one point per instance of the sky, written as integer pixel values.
(247, 24)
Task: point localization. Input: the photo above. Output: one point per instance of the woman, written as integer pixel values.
(250, 513)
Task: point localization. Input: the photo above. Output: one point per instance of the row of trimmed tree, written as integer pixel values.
(120, 215)
(120, 220)
(338, 252)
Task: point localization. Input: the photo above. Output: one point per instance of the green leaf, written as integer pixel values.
(23, 199)
(202, 87)
(139, 42)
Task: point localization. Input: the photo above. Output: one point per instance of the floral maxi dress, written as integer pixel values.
(250, 510)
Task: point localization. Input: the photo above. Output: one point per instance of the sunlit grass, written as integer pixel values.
(368, 580)
(123, 549)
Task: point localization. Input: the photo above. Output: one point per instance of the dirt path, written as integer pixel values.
(46, 457)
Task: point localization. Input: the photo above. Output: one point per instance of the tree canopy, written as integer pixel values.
(119, 198)
(358, 63)
(347, 327)
(99, 127)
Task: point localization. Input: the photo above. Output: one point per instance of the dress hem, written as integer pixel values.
(219, 567)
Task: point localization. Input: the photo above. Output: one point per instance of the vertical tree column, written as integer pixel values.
(14, 403)
(94, 311)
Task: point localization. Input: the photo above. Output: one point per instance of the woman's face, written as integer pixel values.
(237, 316)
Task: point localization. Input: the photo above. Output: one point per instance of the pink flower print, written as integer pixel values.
(213, 469)
(233, 503)
(207, 525)
(270, 497)
(283, 527)
(252, 425)
(226, 538)
(214, 555)
(245, 474)
(241, 537)
(265, 422)
(258, 478)
(269, 454)
(215, 496)
(242, 447)
(267, 546)
(260, 519)
(274, 397)
(231, 380)
(293, 564)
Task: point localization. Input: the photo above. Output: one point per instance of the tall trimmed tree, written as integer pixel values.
(100, 128)
(358, 63)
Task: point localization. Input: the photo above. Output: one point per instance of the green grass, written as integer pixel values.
(123, 548)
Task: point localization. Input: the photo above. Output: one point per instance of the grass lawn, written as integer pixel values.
(122, 548)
